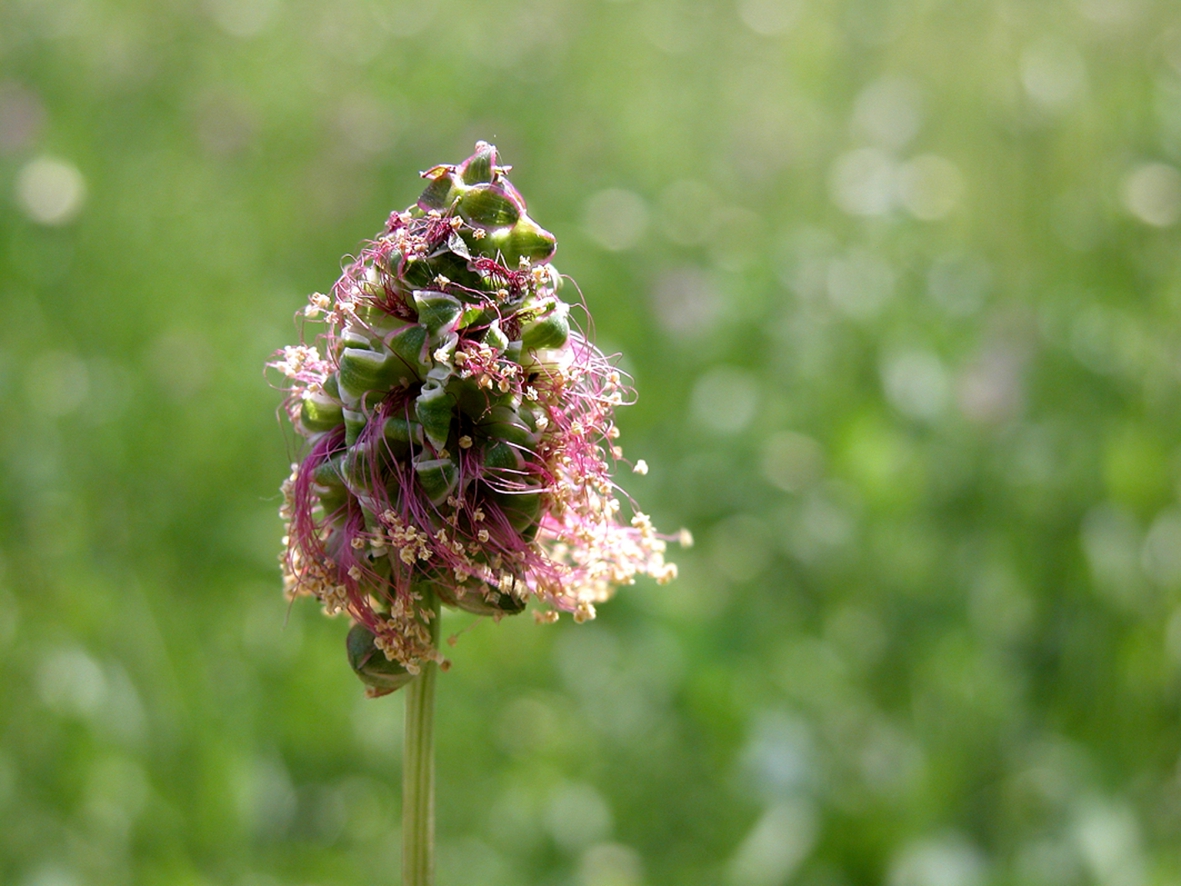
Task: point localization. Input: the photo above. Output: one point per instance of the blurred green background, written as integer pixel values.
(899, 286)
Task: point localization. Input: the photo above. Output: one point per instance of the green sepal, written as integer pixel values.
(333, 500)
(320, 413)
(438, 195)
(351, 337)
(370, 664)
(437, 477)
(523, 240)
(488, 206)
(455, 268)
(548, 332)
(357, 470)
(504, 458)
(469, 398)
(377, 564)
(474, 314)
(472, 600)
(378, 323)
(410, 346)
(418, 273)
(529, 413)
(528, 240)
(507, 424)
(401, 435)
(330, 487)
(495, 337)
(330, 473)
(354, 424)
(370, 285)
(433, 409)
(363, 371)
(437, 311)
(478, 167)
(392, 263)
(521, 509)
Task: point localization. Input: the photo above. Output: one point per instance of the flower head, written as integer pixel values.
(459, 432)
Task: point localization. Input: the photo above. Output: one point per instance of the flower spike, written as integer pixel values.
(459, 432)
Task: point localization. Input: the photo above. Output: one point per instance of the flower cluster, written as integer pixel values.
(459, 432)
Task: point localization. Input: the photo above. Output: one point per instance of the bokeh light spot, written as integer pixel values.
(578, 816)
(1052, 72)
(242, 18)
(916, 383)
(1152, 193)
(769, 17)
(616, 219)
(888, 112)
(776, 846)
(725, 399)
(940, 861)
(50, 191)
(1109, 839)
(862, 182)
(930, 186)
(610, 864)
(51, 875)
(70, 681)
(1161, 553)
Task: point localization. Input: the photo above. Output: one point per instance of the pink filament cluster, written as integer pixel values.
(363, 535)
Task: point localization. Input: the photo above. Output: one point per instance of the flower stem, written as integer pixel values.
(418, 769)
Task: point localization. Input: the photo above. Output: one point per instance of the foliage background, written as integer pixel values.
(898, 283)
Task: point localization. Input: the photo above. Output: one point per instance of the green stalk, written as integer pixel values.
(418, 769)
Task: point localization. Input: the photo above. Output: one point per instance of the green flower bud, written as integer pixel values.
(527, 240)
(434, 408)
(370, 664)
(437, 477)
(320, 413)
(548, 332)
(479, 166)
(410, 345)
(489, 207)
(354, 424)
(362, 371)
(402, 435)
(481, 600)
(437, 311)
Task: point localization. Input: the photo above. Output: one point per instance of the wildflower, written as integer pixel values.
(459, 432)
